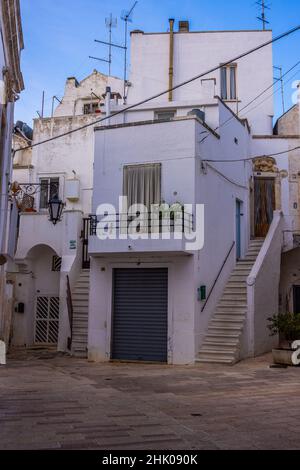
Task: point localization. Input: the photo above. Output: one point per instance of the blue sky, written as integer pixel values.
(59, 36)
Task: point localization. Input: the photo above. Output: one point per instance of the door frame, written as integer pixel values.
(110, 309)
(277, 196)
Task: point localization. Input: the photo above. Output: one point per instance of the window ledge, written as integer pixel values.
(231, 101)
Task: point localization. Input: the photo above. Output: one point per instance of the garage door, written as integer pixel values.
(140, 315)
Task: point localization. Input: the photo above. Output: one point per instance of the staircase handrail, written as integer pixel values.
(70, 312)
(218, 276)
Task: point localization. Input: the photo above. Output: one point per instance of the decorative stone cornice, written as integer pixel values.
(265, 165)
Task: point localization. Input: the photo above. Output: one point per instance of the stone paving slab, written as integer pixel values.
(51, 401)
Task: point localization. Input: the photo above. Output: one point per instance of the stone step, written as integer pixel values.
(240, 276)
(81, 290)
(235, 297)
(229, 317)
(224, 323)
(80, 316)
(79, 298)
(210, 360)
(224, 338)
(217, 352)
(225, 330)
(215, 345)
(79, 343)
(85, 283)
(80, 307)
(236, 285)
(231, 304)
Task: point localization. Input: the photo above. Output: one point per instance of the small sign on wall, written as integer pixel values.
(73, 245)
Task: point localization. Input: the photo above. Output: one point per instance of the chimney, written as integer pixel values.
(184, 26)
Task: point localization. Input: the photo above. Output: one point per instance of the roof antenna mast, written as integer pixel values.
(262, 18)
(110, 24)
(127, 18)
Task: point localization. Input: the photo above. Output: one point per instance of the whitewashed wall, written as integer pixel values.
(198, 52)
(177, 146)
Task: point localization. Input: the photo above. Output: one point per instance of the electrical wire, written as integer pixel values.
(269, 96)
(254, 157)
(256, 98)
(175, 87)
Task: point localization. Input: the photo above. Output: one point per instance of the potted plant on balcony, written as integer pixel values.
(287, 326)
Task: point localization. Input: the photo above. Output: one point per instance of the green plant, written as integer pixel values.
(287, 324)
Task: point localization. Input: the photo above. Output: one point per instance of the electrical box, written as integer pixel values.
(202, 293)
(72, 190)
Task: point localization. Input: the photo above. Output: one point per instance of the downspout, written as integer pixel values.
(171, 59)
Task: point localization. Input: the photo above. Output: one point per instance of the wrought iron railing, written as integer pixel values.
(177, 221)
(25, 193)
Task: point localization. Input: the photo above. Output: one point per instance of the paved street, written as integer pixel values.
(51, 401)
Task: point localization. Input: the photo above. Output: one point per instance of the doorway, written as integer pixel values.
(296, 299)
(264, 205)
(140, 315)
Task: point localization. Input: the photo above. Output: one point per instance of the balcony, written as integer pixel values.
(143, 233)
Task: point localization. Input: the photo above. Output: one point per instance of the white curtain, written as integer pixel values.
(142, 184)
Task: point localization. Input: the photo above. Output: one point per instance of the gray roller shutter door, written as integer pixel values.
(140, 315)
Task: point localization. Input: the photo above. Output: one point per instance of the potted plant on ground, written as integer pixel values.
(287, 326)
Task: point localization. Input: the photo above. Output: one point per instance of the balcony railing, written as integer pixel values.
(143, 223)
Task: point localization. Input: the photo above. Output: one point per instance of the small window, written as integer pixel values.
(56, 263)
(49, 188)
(165, 115)
(228, 82)
(90, 108)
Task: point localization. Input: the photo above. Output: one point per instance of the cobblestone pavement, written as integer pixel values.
(52, 401)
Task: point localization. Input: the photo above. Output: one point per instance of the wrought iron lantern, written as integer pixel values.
(55, 207)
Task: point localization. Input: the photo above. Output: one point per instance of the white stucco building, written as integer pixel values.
(50, 253)
(11, 84)
(157, 297)
(183, 135)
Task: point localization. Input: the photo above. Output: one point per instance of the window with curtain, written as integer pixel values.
(228, 82)
(142, 184)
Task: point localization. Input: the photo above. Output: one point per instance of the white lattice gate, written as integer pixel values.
(46, 320)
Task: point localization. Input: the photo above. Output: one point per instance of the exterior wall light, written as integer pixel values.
(55, 207)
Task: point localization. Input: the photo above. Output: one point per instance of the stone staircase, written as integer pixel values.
(222, 341)
(80, 300)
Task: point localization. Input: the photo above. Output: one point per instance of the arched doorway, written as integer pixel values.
(38, 289)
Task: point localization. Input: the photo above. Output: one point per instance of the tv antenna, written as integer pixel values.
(110, 24)
(126, 16)
(262, 18)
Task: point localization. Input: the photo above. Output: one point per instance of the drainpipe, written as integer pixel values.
(107, 103)
(171, 58)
